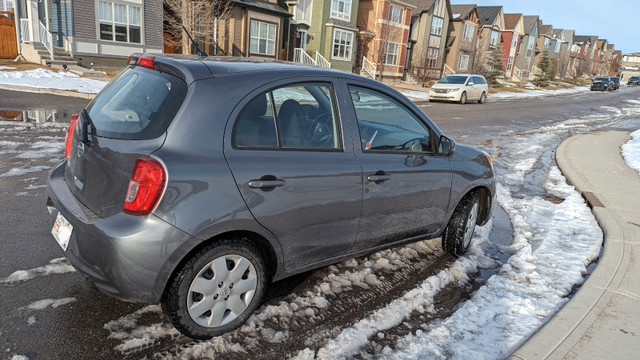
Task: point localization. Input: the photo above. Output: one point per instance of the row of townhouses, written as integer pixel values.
(415, 40)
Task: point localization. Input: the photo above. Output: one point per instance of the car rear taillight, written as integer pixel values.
(145, 187)
(147, 61)
(69, 137)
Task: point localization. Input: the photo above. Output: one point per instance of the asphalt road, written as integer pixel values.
(77, 330)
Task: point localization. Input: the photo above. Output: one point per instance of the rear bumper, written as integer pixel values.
(128, 257)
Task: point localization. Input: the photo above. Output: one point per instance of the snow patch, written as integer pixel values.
(32, 320)
(24, 170)
(631, 151)
(45, 78)
(55, 266)
(133, 336)
(53, 303)
(19, 357)
(7, 68)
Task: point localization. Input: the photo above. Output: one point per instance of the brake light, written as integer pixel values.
(147, 61)
(69, 137)
(145, 187)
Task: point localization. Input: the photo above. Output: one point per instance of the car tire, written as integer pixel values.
(459, 232)
(201, 303)
(483, 98)
(463, 98)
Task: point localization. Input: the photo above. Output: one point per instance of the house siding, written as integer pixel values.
(84, 19)
(153, 17)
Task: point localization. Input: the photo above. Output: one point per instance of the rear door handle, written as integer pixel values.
(265, 184)
(379, 177)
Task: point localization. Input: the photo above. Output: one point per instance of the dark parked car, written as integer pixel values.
(616, 82)
(603, 84)
(194, 182)
(634, 80)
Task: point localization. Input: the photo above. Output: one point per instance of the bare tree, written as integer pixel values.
(203, 19)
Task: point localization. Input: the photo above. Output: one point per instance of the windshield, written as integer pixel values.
(137, 104)
(602, 79)
(453, 79)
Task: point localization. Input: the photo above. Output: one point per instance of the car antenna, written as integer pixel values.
(198, 51)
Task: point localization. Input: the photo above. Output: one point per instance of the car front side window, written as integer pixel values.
(387, 125)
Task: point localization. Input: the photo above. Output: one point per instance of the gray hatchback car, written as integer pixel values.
(195, 182)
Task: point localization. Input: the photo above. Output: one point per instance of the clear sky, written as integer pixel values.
(618, 21)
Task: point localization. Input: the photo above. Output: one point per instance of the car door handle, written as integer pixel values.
(379, 177)
(265, 184)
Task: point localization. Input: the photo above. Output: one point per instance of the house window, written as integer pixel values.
(468, 32)
(436, 26)
(514, 43)
(391, 54)
(120, 22)
(263, 38)
(464, 62)
(495, 37)
(395, 14)
(432, 57)
(341, 9)
(510, 63)
(342, 43)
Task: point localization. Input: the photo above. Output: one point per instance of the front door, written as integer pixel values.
(406, 184)
(297, 177)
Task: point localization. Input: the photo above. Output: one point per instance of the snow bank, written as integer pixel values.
(529, 93)
(45, 78)
(631, 151)
(55, 266)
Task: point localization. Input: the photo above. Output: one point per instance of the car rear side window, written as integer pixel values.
(300, 116)
(137, 104)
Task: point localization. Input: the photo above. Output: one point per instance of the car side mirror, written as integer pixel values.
(355, 97)
(470, 83)
(447, 146)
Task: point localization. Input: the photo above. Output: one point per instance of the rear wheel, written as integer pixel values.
(463, 98)
(216, 290)
(483, 98)
(459, 232)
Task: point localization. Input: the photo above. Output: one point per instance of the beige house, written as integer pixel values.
(428, 40)
(463, 39)
(492, 25)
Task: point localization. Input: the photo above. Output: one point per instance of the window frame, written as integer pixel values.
(345, 13)
(436, 29)
(467, 34)
(466, 62)
(495, 37)
(269, 92)
(128, 24)
(400, 12)
(259, 37)
(510, 63)
(395, 55)
(347, 47)
(432, 61)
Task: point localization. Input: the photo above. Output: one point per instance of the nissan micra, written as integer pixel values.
(194, 182)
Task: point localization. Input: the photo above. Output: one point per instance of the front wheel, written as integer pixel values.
(216, 290)
(457, 236)
(463, 98)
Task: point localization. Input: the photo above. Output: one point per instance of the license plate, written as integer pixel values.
(62, 231)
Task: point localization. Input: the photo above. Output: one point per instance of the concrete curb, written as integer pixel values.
(47, 91)
(590, 325)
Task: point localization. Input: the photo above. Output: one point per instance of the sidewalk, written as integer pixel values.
(602, 321)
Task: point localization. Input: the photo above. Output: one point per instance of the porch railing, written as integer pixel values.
(301, 56)
(235, 51)
(25, 34)
(369, 67)
(217, 50)
(321, 61)
(46, 38)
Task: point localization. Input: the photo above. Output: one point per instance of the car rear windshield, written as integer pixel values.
(137, 104)
(453, 79)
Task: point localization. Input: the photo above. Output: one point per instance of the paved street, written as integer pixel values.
(78, 321)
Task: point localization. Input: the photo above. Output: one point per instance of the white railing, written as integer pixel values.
(368, 67)
(301, 56)
(25, 34)
(46, 38)
(321, 61)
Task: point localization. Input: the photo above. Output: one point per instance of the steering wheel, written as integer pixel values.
(413, 145)
(320, 134)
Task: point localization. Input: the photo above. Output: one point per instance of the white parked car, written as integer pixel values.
(460, 88)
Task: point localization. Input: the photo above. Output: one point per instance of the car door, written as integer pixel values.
(298, 177)
(473, 92)
(406, 184)
(482, 85)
